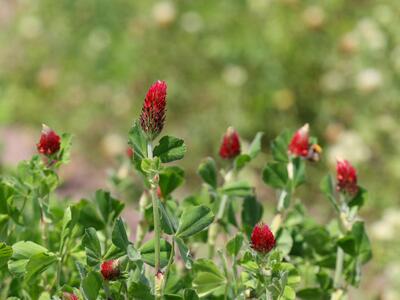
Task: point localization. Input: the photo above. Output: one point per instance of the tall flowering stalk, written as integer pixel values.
(152, 122)
(229, 149)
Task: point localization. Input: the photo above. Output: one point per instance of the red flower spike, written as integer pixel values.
(69, 296)
(230, 146)
(153, 112)
(110, 269)
(262, 239)
(346, 176)
(49, 142)
(299, 145)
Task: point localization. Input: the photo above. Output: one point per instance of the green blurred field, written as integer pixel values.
(259, 65)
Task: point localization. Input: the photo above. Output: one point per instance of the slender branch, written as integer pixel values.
(339, 268)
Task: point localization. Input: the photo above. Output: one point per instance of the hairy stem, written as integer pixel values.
(339, 268)
(156, 220)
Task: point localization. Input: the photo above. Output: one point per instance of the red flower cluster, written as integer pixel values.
(230, 146)
(300, 145)
(153, 111)
(346, 176)
(49, 142)
(69, 296)
(262, 239)
(110, 269)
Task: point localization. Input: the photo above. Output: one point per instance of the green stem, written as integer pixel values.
(339, 268)
(156, 221)
(170, 261)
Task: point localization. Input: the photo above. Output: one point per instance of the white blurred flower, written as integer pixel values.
(164, 13)
(113, 144)
(388, 227)
(369, 80)
(350, 146)
(234, 75)
(333, 81)
(371, 34)
(314, 17)
(30, 27)
(192, 22)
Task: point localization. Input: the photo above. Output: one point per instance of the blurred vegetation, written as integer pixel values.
(259, 65)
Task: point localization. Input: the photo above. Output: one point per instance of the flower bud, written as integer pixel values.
(153, 112)
(230, 146)
(129, 152)
(69, 296)
(346, 177)
(300, 145)
(262, 239)
(49, 142)
(110, 269)
(300, 142)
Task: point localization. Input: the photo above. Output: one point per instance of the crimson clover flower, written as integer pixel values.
(153, 112)
(110, 269)
(346, 176)
(49, 142)
(262, 239)
(300, 145)
(230, 146)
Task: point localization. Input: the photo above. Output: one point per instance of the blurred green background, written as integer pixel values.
(84, 66)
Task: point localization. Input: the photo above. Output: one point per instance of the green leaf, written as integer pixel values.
(276, 175)
(252, 212)
(148, 256)
(22, 252)
(185, 252)
(328, 189)
(279, 147)
(89, 216)
(363, 245)
(235, 244)
(193, 220)
(170, 149)
(90, 285)
(39, 263)
(359, 198)
(92, 246)
(3, 226)
(138, 141)
(255, 146)
(237, 189)
(299, 168)
(5, 253)
(65, 148)
(133, 254)
(110, 208)
(71, 217)
(119, 236)
(208, 278)
(169, 222)
(139, 291)
(170, 179)
(241, 161)
(208, 172)
(190, 294)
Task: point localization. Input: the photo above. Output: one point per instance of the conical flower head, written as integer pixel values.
(299, 144)
(230, 146)
(262, 239)
(346, 176)
(153, 112)
(110, 269)
(49, 142)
